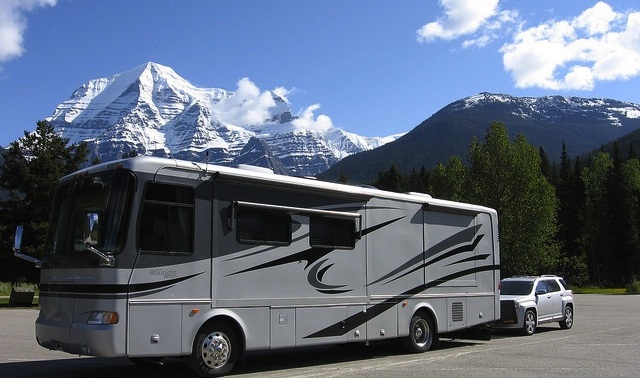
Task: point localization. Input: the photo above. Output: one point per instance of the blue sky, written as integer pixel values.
(373, 67)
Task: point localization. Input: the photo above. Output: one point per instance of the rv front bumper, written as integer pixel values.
(81, 339)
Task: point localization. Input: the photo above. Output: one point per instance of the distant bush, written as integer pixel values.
(5, 288)
(634, 286)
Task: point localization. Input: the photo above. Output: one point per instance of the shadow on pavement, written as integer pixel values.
(255, 362)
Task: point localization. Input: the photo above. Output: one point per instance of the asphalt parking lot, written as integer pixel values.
(604, 342)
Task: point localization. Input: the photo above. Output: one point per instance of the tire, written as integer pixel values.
(567, 322)
(421, 334)
(215, 350)
(530, 321)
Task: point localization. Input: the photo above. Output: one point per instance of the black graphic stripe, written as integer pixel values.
(315, 278)
(432, 252)
(106, 291)
(350, 323)
(310, 255)
(267, 249)
(461, 237)
(465, 248)
(472, 258)
(371, 229)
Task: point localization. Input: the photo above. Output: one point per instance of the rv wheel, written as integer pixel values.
(421, 334)
(215, 350)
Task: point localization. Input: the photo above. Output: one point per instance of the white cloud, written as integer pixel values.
(598, 45)
(596, 20)
(247, 106)
(251, 106)
(308, 121)
(284, 92)
(466, 18)
(13, 25)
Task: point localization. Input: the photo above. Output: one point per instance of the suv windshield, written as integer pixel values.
(91, 210)
(516, 287)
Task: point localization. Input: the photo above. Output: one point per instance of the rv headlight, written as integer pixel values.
(102, 317)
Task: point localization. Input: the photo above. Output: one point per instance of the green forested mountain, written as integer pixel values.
(582, 124)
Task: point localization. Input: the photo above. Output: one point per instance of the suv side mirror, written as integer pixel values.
(541, 291)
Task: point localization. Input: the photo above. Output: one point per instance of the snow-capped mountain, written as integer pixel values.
(556, 108)
(152, 110)
(582, 124)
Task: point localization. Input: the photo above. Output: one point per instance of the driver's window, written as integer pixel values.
(541, 287)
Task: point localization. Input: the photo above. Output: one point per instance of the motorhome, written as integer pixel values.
(148, 258)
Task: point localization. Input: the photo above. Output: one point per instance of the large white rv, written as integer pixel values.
(147, 258)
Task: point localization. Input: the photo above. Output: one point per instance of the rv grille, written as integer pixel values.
(457, 312)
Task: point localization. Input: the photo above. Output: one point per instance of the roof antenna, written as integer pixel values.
(206, 162)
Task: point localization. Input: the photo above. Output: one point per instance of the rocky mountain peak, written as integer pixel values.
(151, 109)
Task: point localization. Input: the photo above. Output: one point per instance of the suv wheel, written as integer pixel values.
(567, 322)
(529, 327)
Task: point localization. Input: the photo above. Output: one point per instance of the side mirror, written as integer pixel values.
(91, 235)
(541, 292)
(17, 242)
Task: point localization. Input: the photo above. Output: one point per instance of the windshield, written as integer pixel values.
(516, 287)
(90, 211)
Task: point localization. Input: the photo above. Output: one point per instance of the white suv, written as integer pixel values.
(526, 302)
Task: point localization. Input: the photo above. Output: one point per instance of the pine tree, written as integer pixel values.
(570, 194)
(621, 224)
(33, 166)
(507, 176)
(392, 180)
(593, 242)
(449, 182)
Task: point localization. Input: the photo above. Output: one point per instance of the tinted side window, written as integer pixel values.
(326, 232)
(553, 285)
(166, 223)
(263, 227)
(564, 284)
(542, 286)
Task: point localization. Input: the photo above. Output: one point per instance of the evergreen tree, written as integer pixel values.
(631, 172)
(33, 166)
(620, 223)
(632, 152)
(449, 182)
(569, 190)
(392, 180)
(545, 166)
(593, 242)
(413, 182)
(507, 176)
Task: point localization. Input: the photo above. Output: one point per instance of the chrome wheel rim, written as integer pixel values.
(530, 323)
(216, 349)
(421, 333)
(568, 317)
